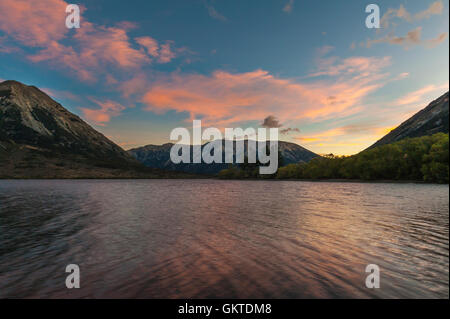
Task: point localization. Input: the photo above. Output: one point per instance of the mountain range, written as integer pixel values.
(159, 156)
(39, 138)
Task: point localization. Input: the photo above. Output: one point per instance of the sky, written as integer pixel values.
(135, 70)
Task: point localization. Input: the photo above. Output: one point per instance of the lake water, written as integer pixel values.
(229, 239)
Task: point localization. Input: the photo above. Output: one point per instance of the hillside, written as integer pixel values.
(39, 138)
(432, 119)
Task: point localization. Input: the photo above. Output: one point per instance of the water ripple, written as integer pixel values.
(223, 239)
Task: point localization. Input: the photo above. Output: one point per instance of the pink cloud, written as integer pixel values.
(352, 65)
(224, 97)
(29, 21)
(419, 95)
(111, 45)
(162, 53)
(166, 54)
(92, 47)
(103, 115)
(150, 44)
(135, 85)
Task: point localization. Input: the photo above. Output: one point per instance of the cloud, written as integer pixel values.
(418, 96)
(213, 13)
(103, 115)
(436, 41)
(413, 37)
(5, 47)
(288, 6)
(166, 54)
(271, 122)
(402, 75)
(436, 8)
(162, 53)
(352, 65)
(223, 97)
(91, 48)
(289, 130)
(127, 25)
(28, 21)
(324, 50)
(150, 45)
(135, 85)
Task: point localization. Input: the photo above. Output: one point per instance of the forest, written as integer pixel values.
(423, 158)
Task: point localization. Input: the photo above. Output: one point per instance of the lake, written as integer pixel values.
(223, 239)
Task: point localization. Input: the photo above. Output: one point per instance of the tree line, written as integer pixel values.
(423, 158)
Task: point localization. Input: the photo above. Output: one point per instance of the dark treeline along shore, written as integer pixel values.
(39, 138)
(417, 150)
(412, 159)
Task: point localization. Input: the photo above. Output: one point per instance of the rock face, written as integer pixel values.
(29, 116)
(430, 120)
(158, 156)
(41, 139)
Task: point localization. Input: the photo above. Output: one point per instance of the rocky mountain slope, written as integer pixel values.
(39, 138)
(430, 120)
(158, 156)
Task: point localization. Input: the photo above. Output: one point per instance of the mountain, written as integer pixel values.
(158, 156)
(39, 138)
(430, 120)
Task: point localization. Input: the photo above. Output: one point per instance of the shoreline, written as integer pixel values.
(231, 179)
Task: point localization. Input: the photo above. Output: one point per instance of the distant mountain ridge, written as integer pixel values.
(158, 156)
(40, 138)
(428, 121)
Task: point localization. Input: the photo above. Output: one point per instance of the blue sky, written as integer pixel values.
(137, 69)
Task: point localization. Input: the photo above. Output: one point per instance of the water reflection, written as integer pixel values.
(231, 239)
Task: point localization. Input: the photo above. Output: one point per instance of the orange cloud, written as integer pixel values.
(103, 115)
(224, 97)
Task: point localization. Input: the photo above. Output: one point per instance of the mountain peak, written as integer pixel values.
(16, 90)
(30, 118)
(16, 86)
